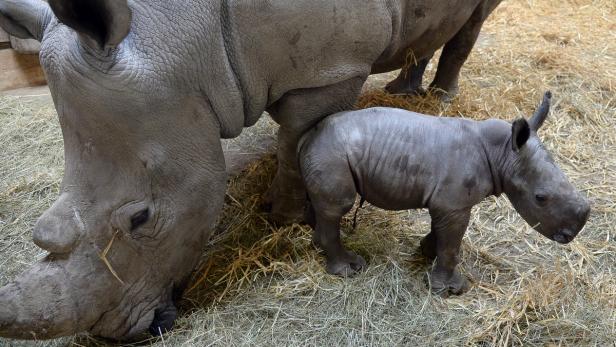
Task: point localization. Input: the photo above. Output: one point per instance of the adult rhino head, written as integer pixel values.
(144, 169)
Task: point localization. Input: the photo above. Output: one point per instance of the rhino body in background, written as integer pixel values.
(145, 90)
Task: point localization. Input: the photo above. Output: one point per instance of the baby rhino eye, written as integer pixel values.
(139, 218)
(541, 199)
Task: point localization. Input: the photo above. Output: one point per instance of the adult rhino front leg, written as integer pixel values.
(456, 51)
(296, 112)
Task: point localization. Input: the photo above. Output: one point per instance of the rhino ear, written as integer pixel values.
(107, 22)
(536, 121)
(520, 133)
(25, 19)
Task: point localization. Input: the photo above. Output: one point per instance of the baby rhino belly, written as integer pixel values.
(395, 183)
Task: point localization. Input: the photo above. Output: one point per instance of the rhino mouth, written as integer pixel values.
(163, 321)
(564, 236)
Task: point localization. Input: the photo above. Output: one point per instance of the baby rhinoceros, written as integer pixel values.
(400, 160)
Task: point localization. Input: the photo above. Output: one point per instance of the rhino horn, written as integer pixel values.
(38, 305)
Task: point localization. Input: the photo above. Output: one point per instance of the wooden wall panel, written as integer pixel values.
(4, 40)
(28, 46)
(4, 37)
(19, 70)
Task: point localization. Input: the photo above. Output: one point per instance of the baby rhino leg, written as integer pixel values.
(340, 261)
(331, 196)
(448, 228)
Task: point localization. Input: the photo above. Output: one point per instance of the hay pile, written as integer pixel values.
(261, 285)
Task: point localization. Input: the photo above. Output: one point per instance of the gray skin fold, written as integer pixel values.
(399, 160)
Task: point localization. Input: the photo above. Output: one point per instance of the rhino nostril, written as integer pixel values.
(564, 236)
(584, 213)
(560, 238)
(568, 233)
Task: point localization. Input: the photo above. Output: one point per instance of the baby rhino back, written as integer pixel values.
(396, 160)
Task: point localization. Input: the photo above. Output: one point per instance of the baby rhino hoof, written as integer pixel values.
(443, 286)
(345, 265)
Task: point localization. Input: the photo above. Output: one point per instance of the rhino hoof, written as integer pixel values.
(446, 98)
(457, 284)
(284, 210)
(280, 219)
(443, 95)
(347, 265)
(400, 88)
(266, 207)
(281, 215)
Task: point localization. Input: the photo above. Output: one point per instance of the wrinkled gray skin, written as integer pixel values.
(400, 160)
(144, 91)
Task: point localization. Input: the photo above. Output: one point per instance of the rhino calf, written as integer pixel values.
(400, 160)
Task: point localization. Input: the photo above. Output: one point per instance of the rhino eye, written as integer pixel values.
(139, 218)
(541, 199)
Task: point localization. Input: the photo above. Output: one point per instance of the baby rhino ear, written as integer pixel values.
(520, 132)
(107, 22)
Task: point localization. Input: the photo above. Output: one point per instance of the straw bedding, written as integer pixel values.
(262, 285)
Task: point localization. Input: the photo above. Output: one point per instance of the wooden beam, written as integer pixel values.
(19, 70)
(4, 37)
(4, 40)
(25, 46)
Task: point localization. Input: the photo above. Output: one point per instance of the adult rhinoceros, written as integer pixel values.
(145, 90)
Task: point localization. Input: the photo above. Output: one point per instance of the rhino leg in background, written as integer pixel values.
(448, 227)
(297, 112)
(456, 51)
(410, 79)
